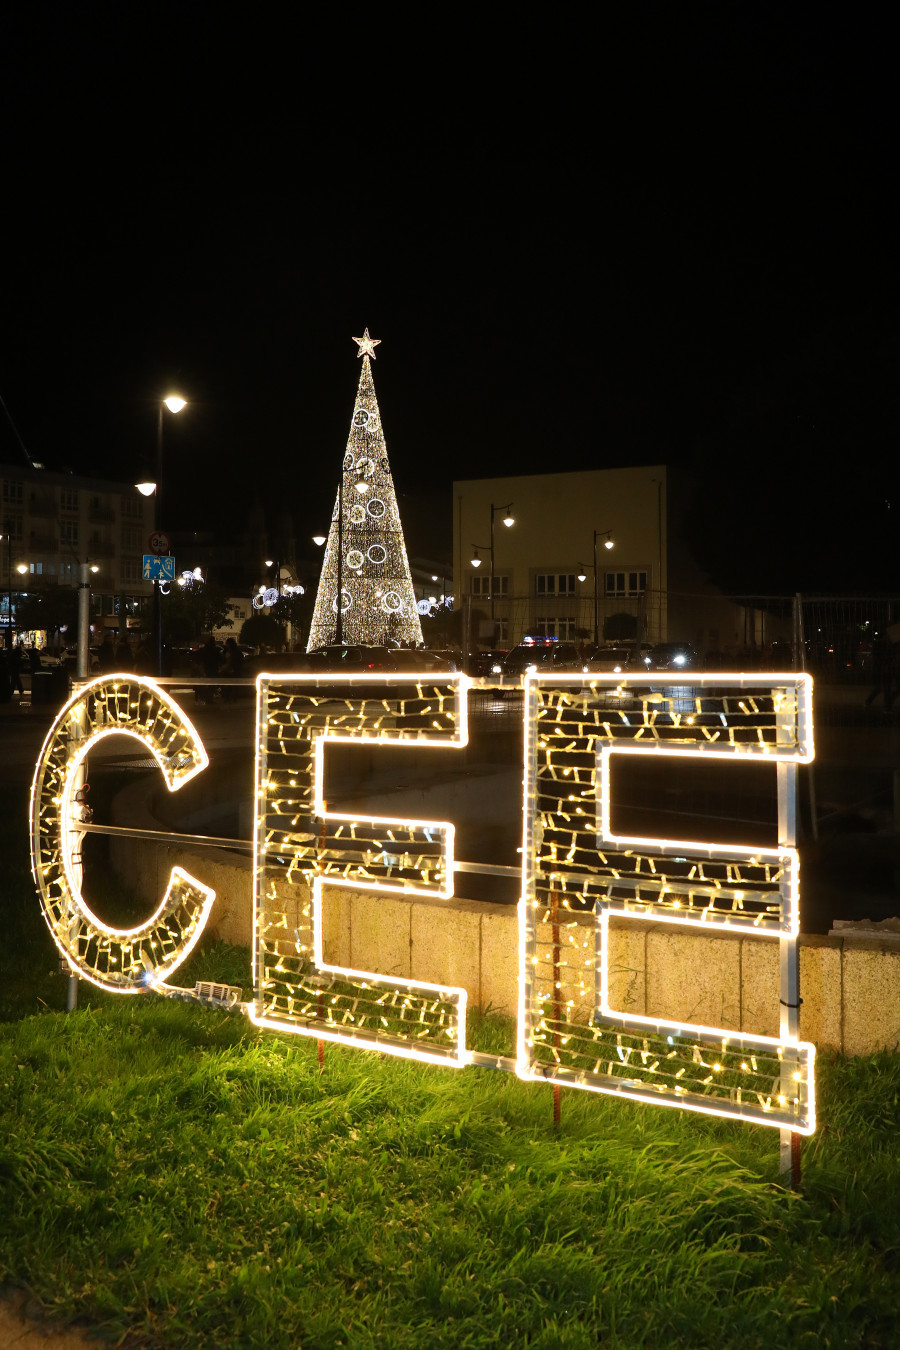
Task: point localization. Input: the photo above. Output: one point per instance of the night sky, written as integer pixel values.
(668, 235)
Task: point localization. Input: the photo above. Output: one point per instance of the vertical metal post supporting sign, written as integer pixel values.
(83, 669)
(789, 995)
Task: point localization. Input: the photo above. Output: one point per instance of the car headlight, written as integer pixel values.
(496, 668)
(680, 659)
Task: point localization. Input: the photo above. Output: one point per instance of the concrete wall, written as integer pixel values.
(850, 986)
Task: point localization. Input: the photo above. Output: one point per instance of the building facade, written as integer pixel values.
(53, 522)
(551, 572)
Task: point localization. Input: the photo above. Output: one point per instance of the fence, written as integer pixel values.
(845, 639)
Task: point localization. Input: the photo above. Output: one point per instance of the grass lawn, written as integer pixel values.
(168, 1171)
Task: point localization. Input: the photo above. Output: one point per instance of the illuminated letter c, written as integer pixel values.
(124, 961)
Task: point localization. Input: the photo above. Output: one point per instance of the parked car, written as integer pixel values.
(671, 656)
(611, 660)
(540, 653)
(485, 663)
(418, 659)
(355, 659)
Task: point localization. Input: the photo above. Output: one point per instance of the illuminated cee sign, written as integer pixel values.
(577, 874)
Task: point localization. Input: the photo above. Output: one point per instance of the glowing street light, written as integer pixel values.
(606, 536)
(174, 403)
(508, 520)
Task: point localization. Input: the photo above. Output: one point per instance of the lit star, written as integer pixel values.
(367, 345)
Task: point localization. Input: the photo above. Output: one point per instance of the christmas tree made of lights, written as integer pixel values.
(365, 555)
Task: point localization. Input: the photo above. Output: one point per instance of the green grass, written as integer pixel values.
(166, 1170)
(169, 1172)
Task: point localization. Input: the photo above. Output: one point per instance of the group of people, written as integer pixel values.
(119, 655)
(214, 663)
(12, 662)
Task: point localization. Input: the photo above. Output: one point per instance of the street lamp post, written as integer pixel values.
(508, 520)
(607, 543)
(83, 667)
(174, 403)
(7, 534)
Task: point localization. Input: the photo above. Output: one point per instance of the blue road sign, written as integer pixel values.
(158, 569)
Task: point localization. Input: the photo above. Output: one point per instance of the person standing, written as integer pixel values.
(15, 667)
(106, 657)
(232, 667)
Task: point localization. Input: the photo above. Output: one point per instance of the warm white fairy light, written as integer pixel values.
(569, 1032)
(365, 550)
(301, 849)
(367, 344)
(124, 961)
(573, 863)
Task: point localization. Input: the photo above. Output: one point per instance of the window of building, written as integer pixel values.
(13, 526)
(131, 569)
(68, 499)
(558, 626)
(68, 532)
(132, 506)
(13, 494)
(554, 583)
(625, 583)
(131, 536)
(481, 585)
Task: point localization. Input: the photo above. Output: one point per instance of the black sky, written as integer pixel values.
(664, 235)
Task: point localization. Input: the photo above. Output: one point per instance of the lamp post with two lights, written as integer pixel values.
(606, 536)
(508, 520)
(174, 403)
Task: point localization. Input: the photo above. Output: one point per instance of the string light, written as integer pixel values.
(124, 961)
(366, 548)
(367, 345)
(577, 873)
(301, 849)
(573, 864)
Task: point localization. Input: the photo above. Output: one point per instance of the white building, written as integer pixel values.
(53, 522)
(544, 577)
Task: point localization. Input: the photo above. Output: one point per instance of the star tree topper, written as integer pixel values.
(367, 345)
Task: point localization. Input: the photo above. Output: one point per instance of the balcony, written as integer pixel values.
(40, 542)
(39, 505)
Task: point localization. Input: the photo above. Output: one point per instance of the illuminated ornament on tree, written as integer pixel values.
(367, 347)
(365, 556)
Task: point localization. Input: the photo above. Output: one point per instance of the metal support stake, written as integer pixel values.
(790, 966)
(83, 669)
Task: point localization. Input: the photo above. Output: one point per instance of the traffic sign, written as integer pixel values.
(158, 542)
(158, 569)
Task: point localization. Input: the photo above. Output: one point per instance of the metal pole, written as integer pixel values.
(9, 593)
(790, 964)
(83, 666)
(339, 629)
(596, 598)
(83, 669)
(493, 509)
(157, 517)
